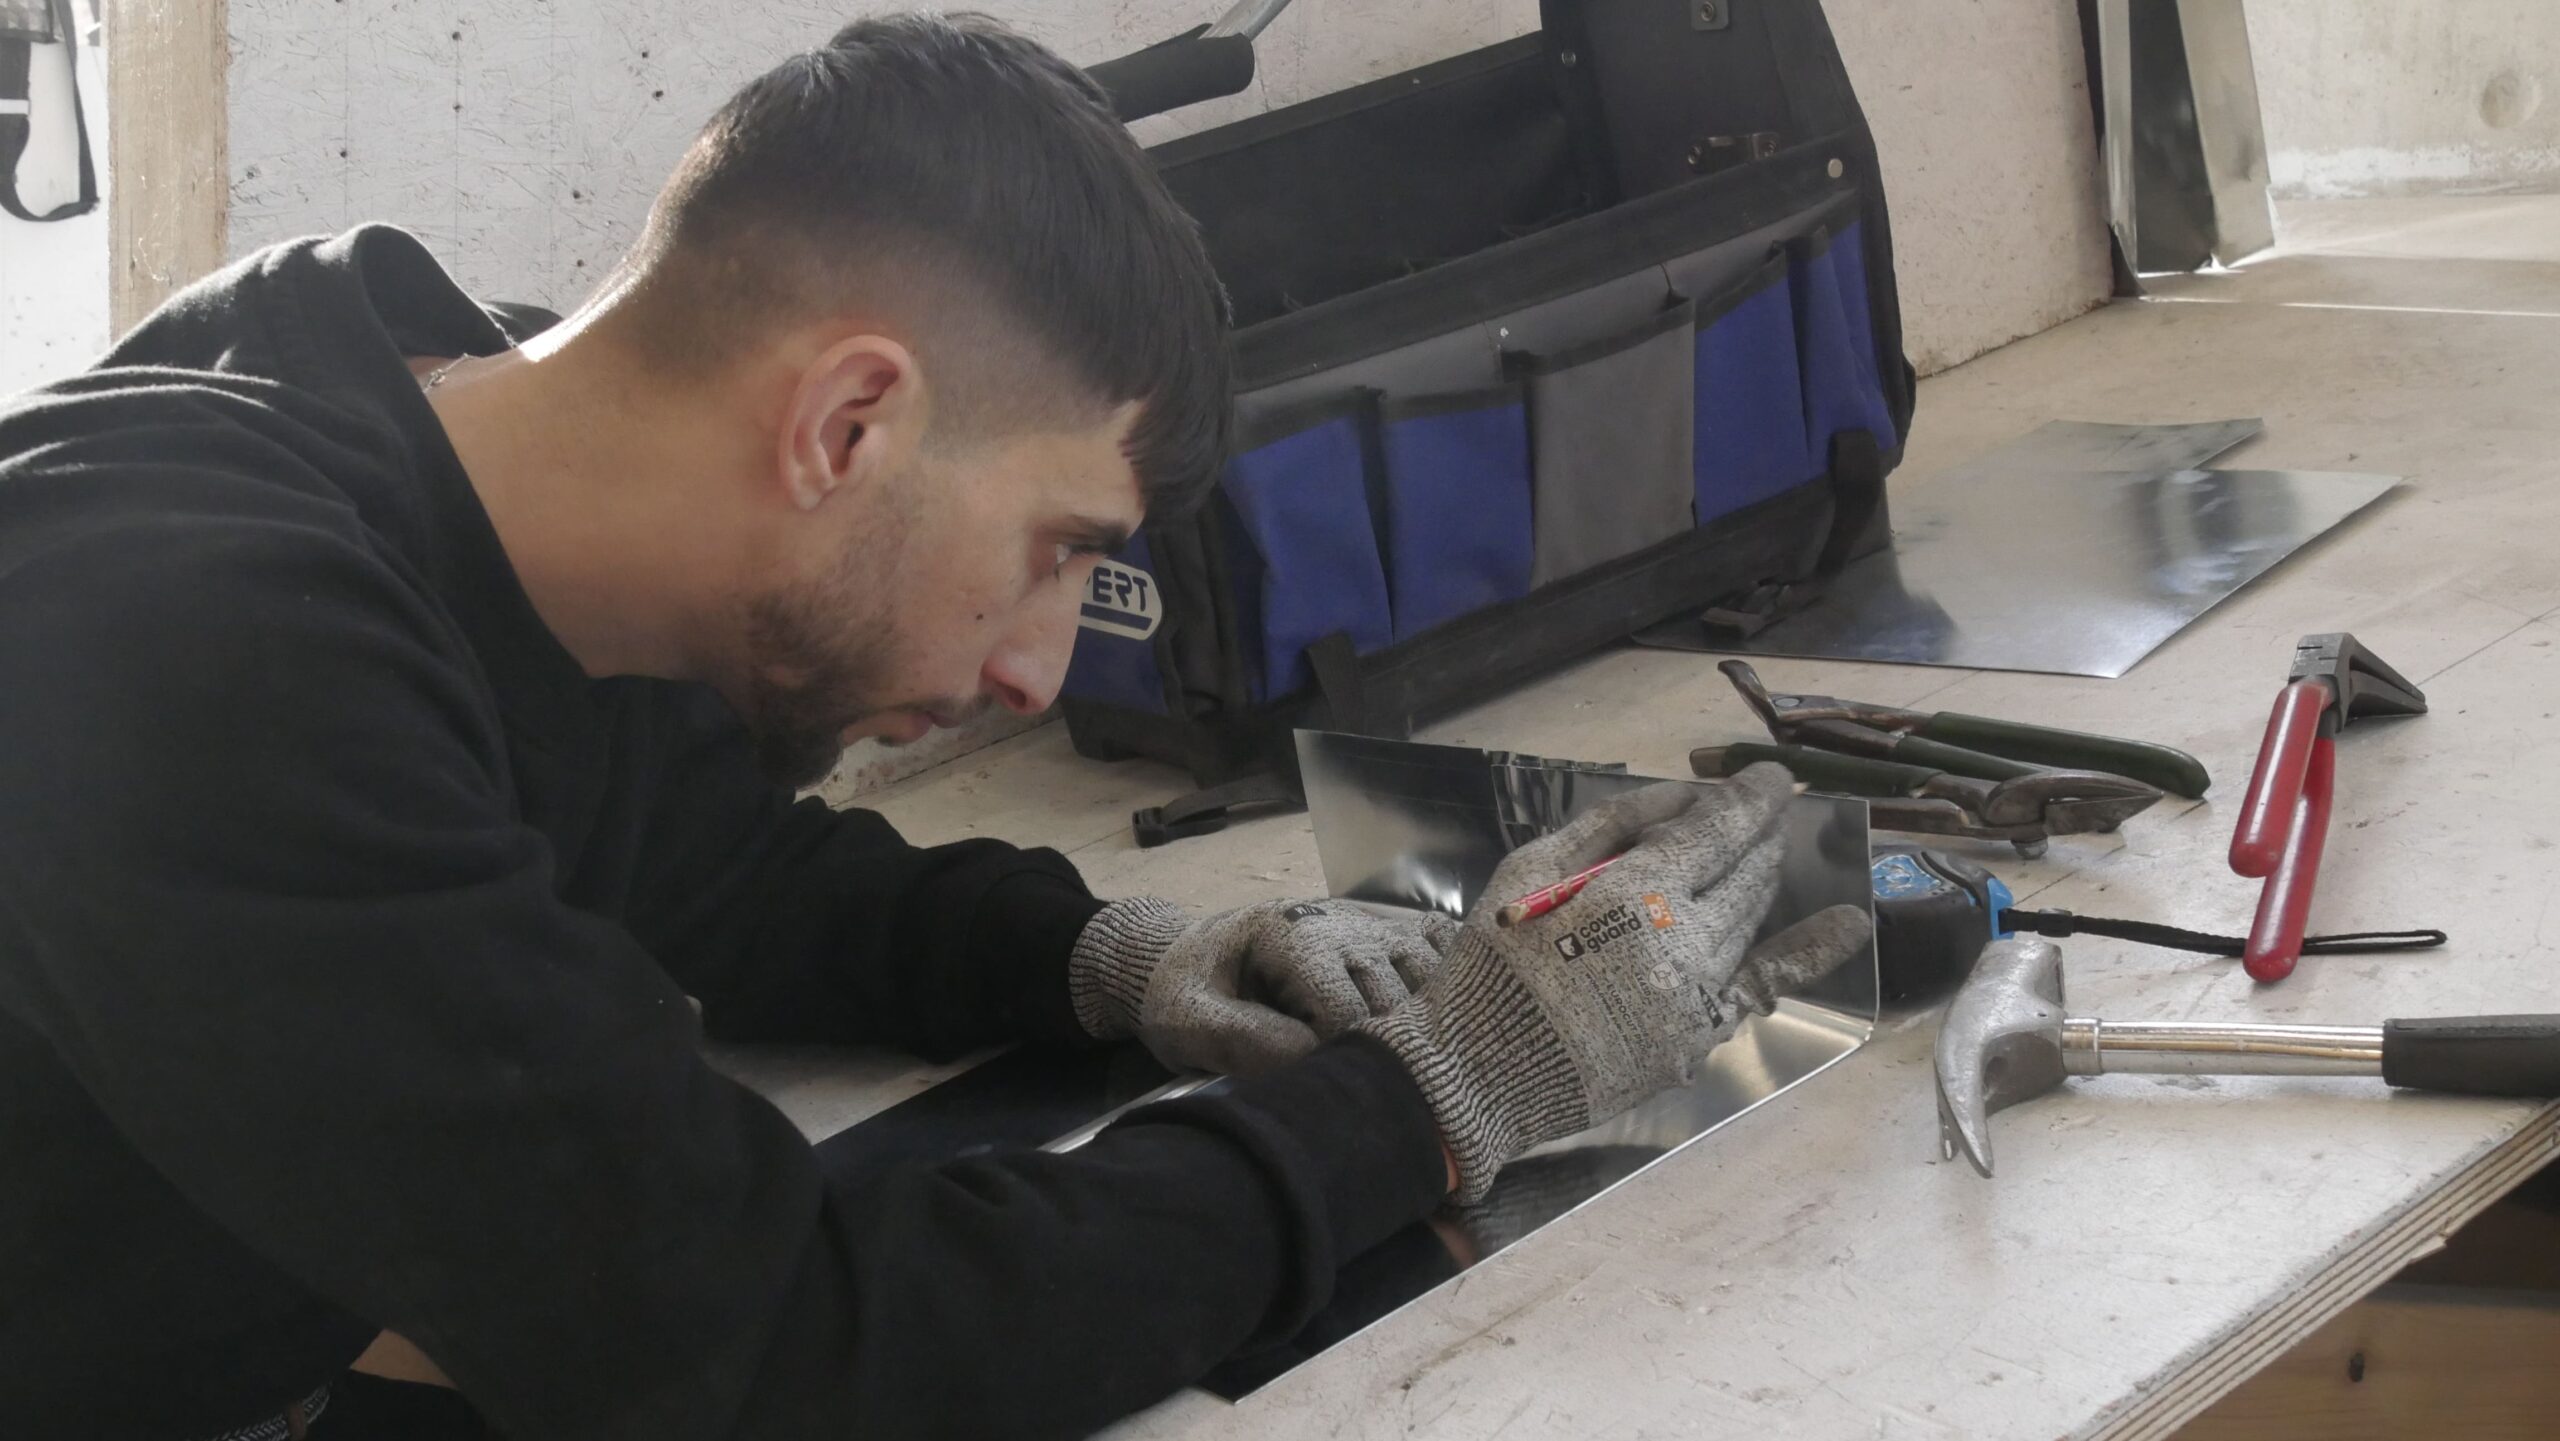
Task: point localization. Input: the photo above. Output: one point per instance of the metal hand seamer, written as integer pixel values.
(1940, 773)
(2284, 822)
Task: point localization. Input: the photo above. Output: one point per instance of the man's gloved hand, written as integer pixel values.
(1559, 1023)
(1248, 989)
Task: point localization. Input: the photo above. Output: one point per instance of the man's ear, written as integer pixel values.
(857, 414)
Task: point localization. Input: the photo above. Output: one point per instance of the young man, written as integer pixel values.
(400, 727)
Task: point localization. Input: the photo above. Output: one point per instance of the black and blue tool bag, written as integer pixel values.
(1536, 346)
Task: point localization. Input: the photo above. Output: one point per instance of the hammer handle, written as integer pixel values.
(2475, 1055)
(2467, 1055)
(2218, 1048)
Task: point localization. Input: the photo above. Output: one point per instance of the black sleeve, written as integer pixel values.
(270, 906)
(792, 922)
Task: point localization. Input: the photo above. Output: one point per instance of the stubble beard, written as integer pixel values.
(819, 658)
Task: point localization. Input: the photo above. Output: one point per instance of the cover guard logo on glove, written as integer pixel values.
(1557, 1023)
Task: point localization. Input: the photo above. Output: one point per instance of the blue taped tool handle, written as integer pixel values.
(1934, 914)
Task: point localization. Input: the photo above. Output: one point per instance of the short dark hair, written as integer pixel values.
(947, 162)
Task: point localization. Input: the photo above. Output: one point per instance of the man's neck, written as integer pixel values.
(573, 474)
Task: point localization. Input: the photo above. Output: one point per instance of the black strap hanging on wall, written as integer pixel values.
(25, 24)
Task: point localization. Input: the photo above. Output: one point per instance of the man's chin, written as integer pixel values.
(797, 763)
(800, 761)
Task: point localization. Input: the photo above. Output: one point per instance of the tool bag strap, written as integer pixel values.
(2061, 924)
(1203, 811)
(1856, 481)
(1857, 492)
(1345, 707)
(19, 35)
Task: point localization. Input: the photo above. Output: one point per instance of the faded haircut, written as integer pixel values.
(946, 170)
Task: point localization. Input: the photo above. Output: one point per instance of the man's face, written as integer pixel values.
(955, 587)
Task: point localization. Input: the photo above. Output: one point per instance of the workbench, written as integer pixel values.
(1815, 1269)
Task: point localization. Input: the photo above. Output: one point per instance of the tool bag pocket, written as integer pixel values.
(1609, 440)
(1526, 443)
(1302, 541)
(1835, 340)
(1751, 427)
(1458, 534)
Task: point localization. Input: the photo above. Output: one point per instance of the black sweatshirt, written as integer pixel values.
(345, 930)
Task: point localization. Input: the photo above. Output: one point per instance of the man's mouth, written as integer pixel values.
(906, 726)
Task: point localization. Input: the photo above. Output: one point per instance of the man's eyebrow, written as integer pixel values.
(1084, 532)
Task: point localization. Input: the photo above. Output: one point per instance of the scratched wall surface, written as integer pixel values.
(2379, 97)
(1982, 126)
(524, 139)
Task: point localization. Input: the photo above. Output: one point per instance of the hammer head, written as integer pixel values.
(2001, 1042)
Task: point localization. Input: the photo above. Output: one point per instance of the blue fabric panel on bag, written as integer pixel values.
(1835, 338)
(1303, 504)
(1115, 654)
(1244, 600)
(1751, 427)
(1458, 524)
(1848, 259)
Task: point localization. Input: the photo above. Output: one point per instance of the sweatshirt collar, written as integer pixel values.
(379, 299)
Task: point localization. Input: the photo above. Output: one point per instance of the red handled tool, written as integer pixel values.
(1546, 898)
(2284, 821)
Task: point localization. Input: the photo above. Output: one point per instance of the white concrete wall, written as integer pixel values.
(2386, 97)
(1981, 118)
(53, 278)
(524, 141)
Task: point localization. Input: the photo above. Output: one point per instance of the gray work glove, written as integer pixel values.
(1248, 989)
(1559, 1023)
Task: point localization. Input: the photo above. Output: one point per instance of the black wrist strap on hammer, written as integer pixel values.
(2059, 924)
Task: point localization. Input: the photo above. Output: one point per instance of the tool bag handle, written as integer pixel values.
(1185, 70)
(17, 119)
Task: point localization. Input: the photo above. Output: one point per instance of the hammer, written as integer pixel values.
(2005, 1040)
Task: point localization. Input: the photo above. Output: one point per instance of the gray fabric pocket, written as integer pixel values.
(1611, 424)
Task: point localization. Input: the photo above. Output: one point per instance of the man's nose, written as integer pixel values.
(1026, 668)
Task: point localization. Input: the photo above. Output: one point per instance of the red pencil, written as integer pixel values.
(1538, 902)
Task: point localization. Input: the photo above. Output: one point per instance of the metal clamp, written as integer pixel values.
(1722, 152)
